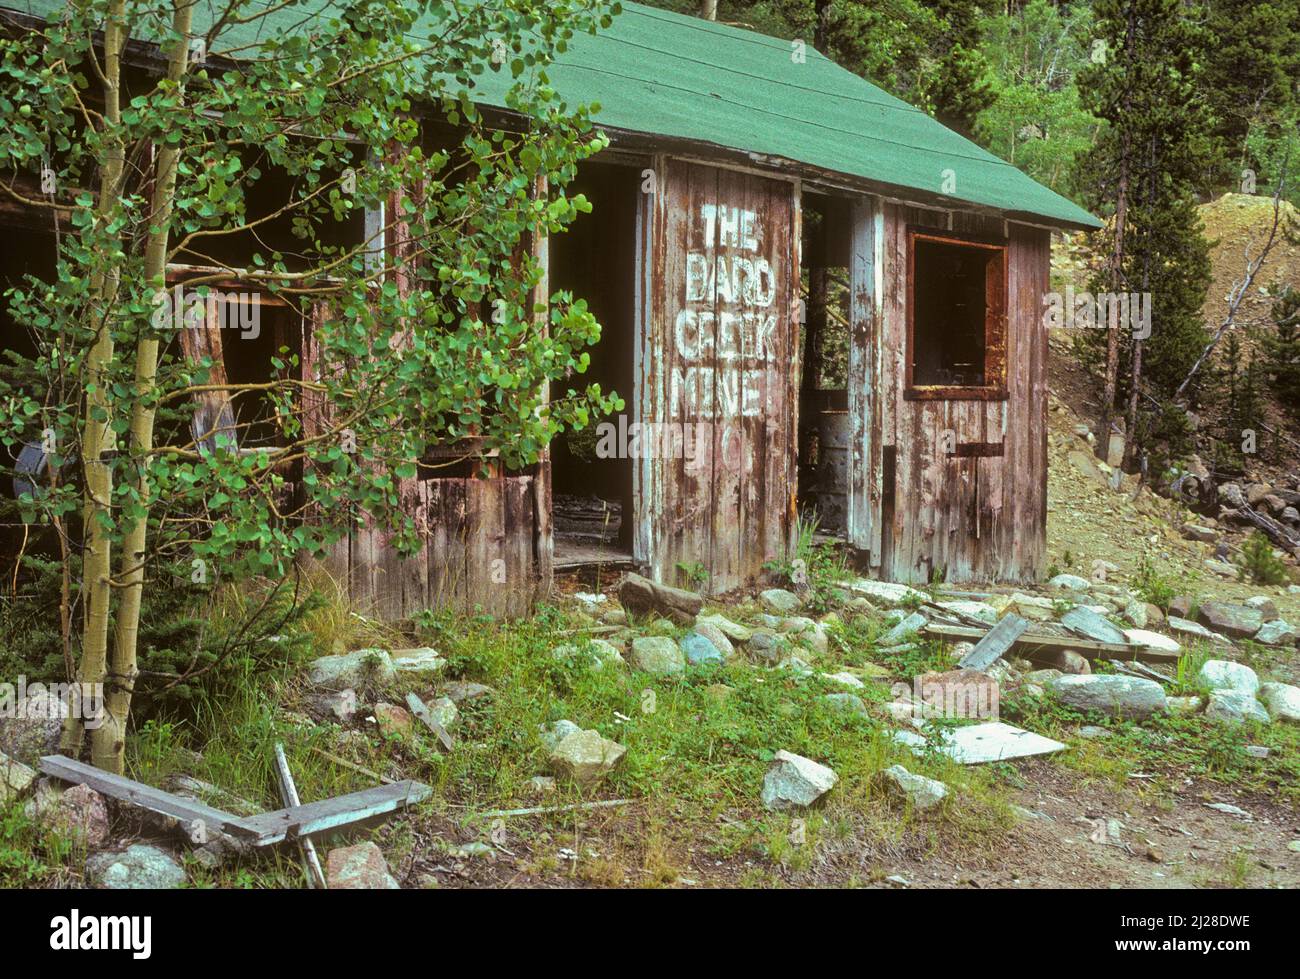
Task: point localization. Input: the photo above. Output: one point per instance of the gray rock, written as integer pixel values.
(641, 596)
(1264, 605)
(585, 757)
(1205, 535)
(358, 868)
(1185, 705)
(973, 610)
(699, 651)
(360, 668)
(445, 712)
(460, 691)
(1092, 732)
(780, 601)
(1235, 706)
(139, 867)
(657, 654)
(886, 592)
(924, 793)
(80, 814)
(32, 727)
(1276, 633)
(421, 660)
(1135, 613)
(806, 632)
(1070, 582)
(1117, 696)
(1185, 627)
(339, 705)
(1152, 640)
(598, 653)
(1237, 621)
(795, 782)
(1068, 661)
(1042, 677)
(1282, 700)
(15, 778)
(847, 703)
(1090, 625)
(906, 627)
(552, 734)
(715, 635)
(732, 630)
(1222, 674)
(765, 648)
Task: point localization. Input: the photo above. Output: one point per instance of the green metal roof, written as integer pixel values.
(659, 73)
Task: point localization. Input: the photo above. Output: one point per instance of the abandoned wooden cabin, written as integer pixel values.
(814, 298)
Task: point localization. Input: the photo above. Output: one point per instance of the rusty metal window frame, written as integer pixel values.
(995, 319)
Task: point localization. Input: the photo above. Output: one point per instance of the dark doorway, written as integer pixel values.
(591, 473)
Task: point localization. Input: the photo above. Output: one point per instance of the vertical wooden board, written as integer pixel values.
(520, 530)
(415, 569)
(541, 540)
(734, 496)
(647, 370)
(863, 485)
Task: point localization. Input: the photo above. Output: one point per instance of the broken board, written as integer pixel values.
(1028, 643)
(289, 823)
(995, 643)
(980, 743)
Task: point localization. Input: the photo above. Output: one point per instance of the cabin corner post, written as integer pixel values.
(543, 532)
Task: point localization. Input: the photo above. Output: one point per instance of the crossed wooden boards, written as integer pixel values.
(265, 828)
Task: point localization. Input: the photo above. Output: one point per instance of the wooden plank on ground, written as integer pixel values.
(333, 814)
(995, 643)
(201, 820)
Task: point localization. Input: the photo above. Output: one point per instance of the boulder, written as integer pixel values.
(357, 669)
(15, 778)
(979, 611)
(1231, 496)
(641, 596)
(460, 691)
(1282, 701)
(1117, 696)
(1237, 621)
(715, 635)
(139, 867)
(923, 793)
(886, 592)
(358, 868)
(1276, 633)
(1205, 535)
(445, 712)
(845, 679)
(585, 757)
(732, 630)
(1264, 605)
(795, 782)
(1235, 707)
(598, 653)
(699, 651)
(1222, 674)
(1185, 705)
(765, 648)
(779, 601)
(1069, 582)
(1181, 606)
(80, 814)
(552, 734)
(806, 632)
(394, 721)
(657, 654)
(31, 727)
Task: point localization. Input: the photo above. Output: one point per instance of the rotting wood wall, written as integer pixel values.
(972, 515)
(721, 362)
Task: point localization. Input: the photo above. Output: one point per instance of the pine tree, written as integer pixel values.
(1249, 84)
(1143, 84)
(1282, 349)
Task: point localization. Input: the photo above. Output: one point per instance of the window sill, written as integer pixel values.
(943, 392)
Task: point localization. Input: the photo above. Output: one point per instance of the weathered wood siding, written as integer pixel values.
(976, 517)
(717, 361)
